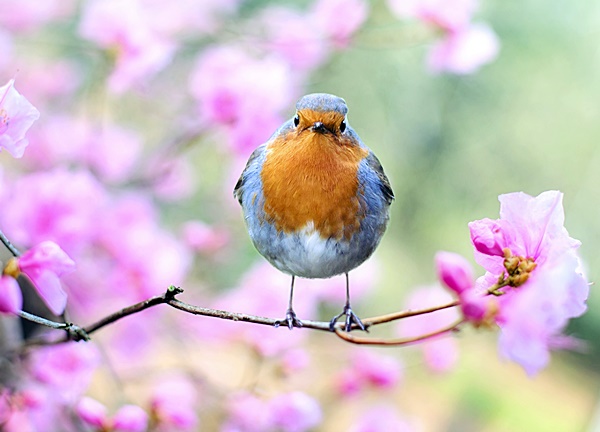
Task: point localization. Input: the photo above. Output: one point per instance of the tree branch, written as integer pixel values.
(76, 333)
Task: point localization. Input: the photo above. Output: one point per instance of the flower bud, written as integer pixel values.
(488, 237)
(454, 271)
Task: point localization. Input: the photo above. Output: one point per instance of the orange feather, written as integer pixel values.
(312, 177)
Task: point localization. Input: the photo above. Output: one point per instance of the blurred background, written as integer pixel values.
(148, 114)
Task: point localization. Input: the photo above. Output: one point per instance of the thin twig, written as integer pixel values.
(11, 248)
(76, 333)
(361, 340)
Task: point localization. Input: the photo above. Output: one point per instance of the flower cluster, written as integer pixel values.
(533, 283)
(465, 46)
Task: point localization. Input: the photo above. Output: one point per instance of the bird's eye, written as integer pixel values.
(296, 120)
(343, 126)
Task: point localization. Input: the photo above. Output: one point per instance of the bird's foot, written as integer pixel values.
(291, 320)
(351, 319)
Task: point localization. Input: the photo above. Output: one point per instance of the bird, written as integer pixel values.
(315, 199)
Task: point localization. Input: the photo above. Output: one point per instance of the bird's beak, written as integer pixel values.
(319, 127)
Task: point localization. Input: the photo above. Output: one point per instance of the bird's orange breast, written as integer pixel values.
(309, 178)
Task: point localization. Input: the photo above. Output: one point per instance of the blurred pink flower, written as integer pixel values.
(92, 412)
(440, 353)
(251, 130)
(16, 117)
(295, 412)
(26, 15)
(112, 152)
(247, 412)
(380, 371)
(295, 36)
(134, 224)
(546, 287)
(464, 50)
(173, 404)
(205, 238)
(130, 418)
(446, 14)
(454, 271)
(368, 368)
(382, 418)
(236, 90)
(65, 370)
(338, 20)
(57, 205)
(44, 264)
(140, 50)
(11, 298)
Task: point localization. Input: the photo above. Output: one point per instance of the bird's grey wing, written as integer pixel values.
(384, 183)
(251, 167)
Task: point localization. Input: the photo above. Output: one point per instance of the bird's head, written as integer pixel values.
(321, 113)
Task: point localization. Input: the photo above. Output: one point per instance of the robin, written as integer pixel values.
(315, 198)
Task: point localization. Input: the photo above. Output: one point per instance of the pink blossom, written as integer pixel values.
(382, 418)
(173, 404)
(378, 370)
(440, 353)
(65, 209)
(230, 84)
(141, 51)
(65, 369)
(488, 237)
(348, 383)
(295, 412)
(446, 14)
(338, 20)
(133, 222)
(296, 37)
(247, 413)
(205, 238)
(464, 51)
(44, 264)
(11, 298)
(545, 286)
(244, 135)
(92, 412)
(16, 117)
(454, 271)
(130, 418)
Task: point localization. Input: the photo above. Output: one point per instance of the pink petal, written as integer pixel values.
(48, 286)
(17, 115)
(92, 412)
(454, 271)
(130, 418)
(464, 51)
(47, 256)
(11, 298)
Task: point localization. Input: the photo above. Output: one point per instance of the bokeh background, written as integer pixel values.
(166, 141)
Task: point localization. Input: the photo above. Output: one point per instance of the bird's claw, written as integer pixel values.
(351, 319)
(291, 320)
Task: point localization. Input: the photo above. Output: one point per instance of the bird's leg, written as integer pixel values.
(351, 317)
(290, 316)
